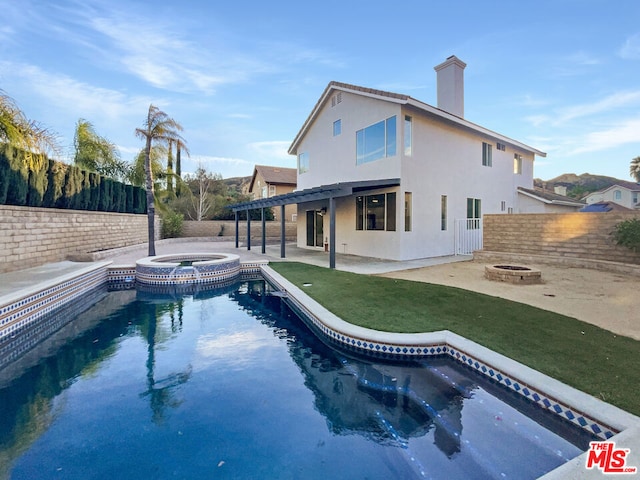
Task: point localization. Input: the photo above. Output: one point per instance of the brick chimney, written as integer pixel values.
(450, 79)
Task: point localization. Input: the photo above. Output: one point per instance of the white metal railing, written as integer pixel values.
(468, 235)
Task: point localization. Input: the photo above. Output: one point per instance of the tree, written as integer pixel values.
(158, 128)
(180, 147)
(202, 200)
(96, 153)
(31, 137)
(634, 169)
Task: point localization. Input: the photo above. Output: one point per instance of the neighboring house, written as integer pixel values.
(398, 178)
(268, 182)
(623, 193)
(538, 200)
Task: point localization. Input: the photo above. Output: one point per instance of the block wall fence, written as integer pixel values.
(30, 237)
(569, 235)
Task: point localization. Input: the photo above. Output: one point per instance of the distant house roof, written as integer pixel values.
(605, 207)
(275, 175)
(403, 100)
(634, 187)
(551, 198)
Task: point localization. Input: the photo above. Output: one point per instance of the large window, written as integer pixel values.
(303, 162)
(474, 213)
(486, 154)
(408, 147)
(376, 141)
(376, 212)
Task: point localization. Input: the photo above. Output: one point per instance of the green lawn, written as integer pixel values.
(586, 357)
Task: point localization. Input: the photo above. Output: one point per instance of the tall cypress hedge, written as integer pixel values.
(58, 185)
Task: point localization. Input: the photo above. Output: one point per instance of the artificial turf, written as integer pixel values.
(579, 354)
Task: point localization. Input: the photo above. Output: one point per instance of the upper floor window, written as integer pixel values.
(617, 195)
(407, 135)
(272, 190)
(337, 127)
(486, 154)
(517, 164)
(303, 162)
(376, 141)
(501, 146)
(264, 192)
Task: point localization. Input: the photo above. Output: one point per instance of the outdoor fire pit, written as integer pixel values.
(516, 274)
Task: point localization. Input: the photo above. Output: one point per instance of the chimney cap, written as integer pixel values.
(450, 61)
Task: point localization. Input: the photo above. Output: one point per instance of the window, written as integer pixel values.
(517, 164)
(486, 154)
(407, 211)
(336, 99)
(303, 162)
(407, 135)
(617, 195)
(474, 213)
(501, 146)
(503, 206)
(635, 198)
(272, 190)
(376, 141)
(376, 212)
(337, 127)
(443, 212)
(264, 192)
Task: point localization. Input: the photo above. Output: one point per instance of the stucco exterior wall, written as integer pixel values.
(445, 160)
(575, 235)
(30, 237)
(529, 205)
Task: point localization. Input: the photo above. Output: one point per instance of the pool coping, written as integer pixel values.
(625, 427)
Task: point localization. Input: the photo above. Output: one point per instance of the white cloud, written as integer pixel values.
(631, 48)
(271, 151)
(609, 103)
(620, 134)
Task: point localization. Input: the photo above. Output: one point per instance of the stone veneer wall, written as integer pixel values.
(30, 236)
(213, 228)
(573, 235)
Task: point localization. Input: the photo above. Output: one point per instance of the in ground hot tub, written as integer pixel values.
(516, 274)
(187, 268)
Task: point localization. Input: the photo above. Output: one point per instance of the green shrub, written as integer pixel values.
(627, 234)
(172, 225)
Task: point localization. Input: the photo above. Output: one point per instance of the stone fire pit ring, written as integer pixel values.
(515, 274)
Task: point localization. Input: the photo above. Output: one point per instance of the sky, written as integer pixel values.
(562, 76)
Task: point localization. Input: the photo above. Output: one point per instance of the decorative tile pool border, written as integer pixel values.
(442, 345)
(23, 309)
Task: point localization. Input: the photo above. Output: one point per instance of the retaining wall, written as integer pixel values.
(215, 228)
(31, 236)
(558, 235)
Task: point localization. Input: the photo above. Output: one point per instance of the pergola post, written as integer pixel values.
(264, 233)
(248, 229)
(332, 232)
(237, 233)
(282, 231)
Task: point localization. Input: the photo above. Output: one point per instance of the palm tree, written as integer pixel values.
(634, 169)
(180, 147)
(31, 137)
(158, 128)
(96, 153)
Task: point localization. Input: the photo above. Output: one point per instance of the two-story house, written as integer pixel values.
(623, 193)
(421, 176)
(269, 181)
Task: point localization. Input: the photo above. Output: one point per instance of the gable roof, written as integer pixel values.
(275, 175)
(634, 187)
(551, 198)
(402, 100)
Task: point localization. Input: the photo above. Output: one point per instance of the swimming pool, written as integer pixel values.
(228, 382)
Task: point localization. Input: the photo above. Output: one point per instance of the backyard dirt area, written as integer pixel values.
(609, 300)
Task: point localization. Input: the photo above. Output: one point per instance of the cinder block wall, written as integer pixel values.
(575, 235)
(215, 228)
(30, 237)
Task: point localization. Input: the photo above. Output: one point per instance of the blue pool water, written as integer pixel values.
(231, 384)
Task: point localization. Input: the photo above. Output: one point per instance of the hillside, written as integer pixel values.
(238, 184)
(578, 185)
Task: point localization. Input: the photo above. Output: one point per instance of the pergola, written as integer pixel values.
(324, 192)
